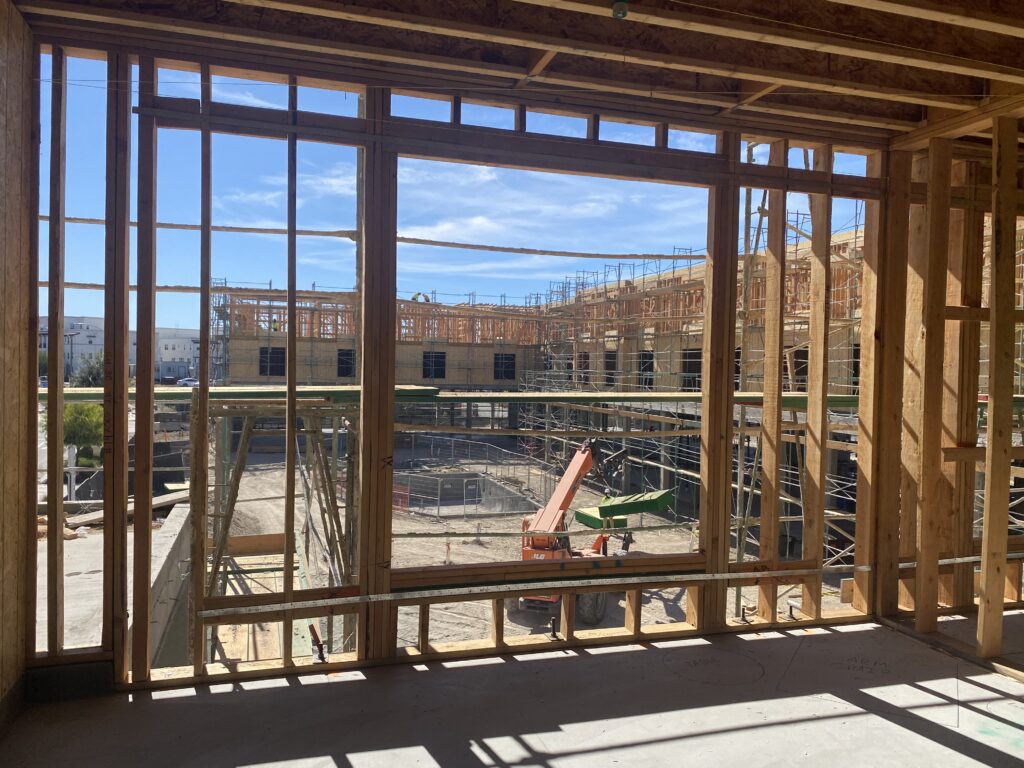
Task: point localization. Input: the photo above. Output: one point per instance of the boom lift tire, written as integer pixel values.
(591, 607)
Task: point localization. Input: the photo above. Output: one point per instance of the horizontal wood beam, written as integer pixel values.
(869, 129)
(489, 146)
(961, 125)
(977, 314)
(581, 567)
(975, 453)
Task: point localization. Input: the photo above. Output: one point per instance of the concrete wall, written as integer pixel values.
(168, 598)
(17, 350)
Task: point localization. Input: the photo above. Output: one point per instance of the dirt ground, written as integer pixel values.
(423, 539)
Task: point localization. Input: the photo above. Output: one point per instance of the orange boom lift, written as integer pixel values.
(541, 543)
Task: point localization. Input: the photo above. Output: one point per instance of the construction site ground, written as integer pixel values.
(478, 538)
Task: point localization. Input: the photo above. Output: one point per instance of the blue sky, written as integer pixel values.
(437, 201)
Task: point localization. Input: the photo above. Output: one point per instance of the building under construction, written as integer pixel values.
(746, 481)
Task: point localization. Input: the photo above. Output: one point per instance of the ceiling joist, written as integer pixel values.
(574, 74)
(749, 28)
(960, 14)
(610, 40)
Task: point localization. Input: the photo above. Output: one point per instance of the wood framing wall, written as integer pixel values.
(17, 310)
(920, 278)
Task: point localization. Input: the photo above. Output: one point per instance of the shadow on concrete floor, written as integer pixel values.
(856, 694)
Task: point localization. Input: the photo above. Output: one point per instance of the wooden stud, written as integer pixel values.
(16, 544)
(1002, 294)
(771, 413)
(661, 135)
(292, 380)
(199, 476)
(717, 390)
(423, 636)
(55, 360)
(567, 616)
(32, 369)
(115, 368)
(881, 387)
(498, 623)
(634, 611)
(378, 186)
(923, 498)
(9, 449)
(816, 454)
(145, 297)
(960, 385)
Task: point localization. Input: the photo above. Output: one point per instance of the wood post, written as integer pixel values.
(115, 368)
(378, 187)
(291, 376)
(816, 451)
(716, 449)
(55, 360)
(1002, 295)
(30, 475)
(200, 420)
(923, 498)
(881, 387)
(960, 387)
(145, 297)
(771, 411)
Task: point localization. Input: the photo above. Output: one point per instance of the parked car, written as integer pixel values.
(44, 382)
(189, 382)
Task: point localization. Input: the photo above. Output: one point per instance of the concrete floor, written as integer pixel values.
(853, 695)
(965, 629)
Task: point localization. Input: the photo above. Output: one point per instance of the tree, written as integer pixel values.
(44, 362)
(89, 373)
(83, 425)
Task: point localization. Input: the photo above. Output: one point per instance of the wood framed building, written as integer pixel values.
(906, 325)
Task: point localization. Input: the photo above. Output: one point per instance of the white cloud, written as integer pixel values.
(266, 198)
(337, 181)
(431, 175)
(523, 268)
(232, 94)
(467, 230)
